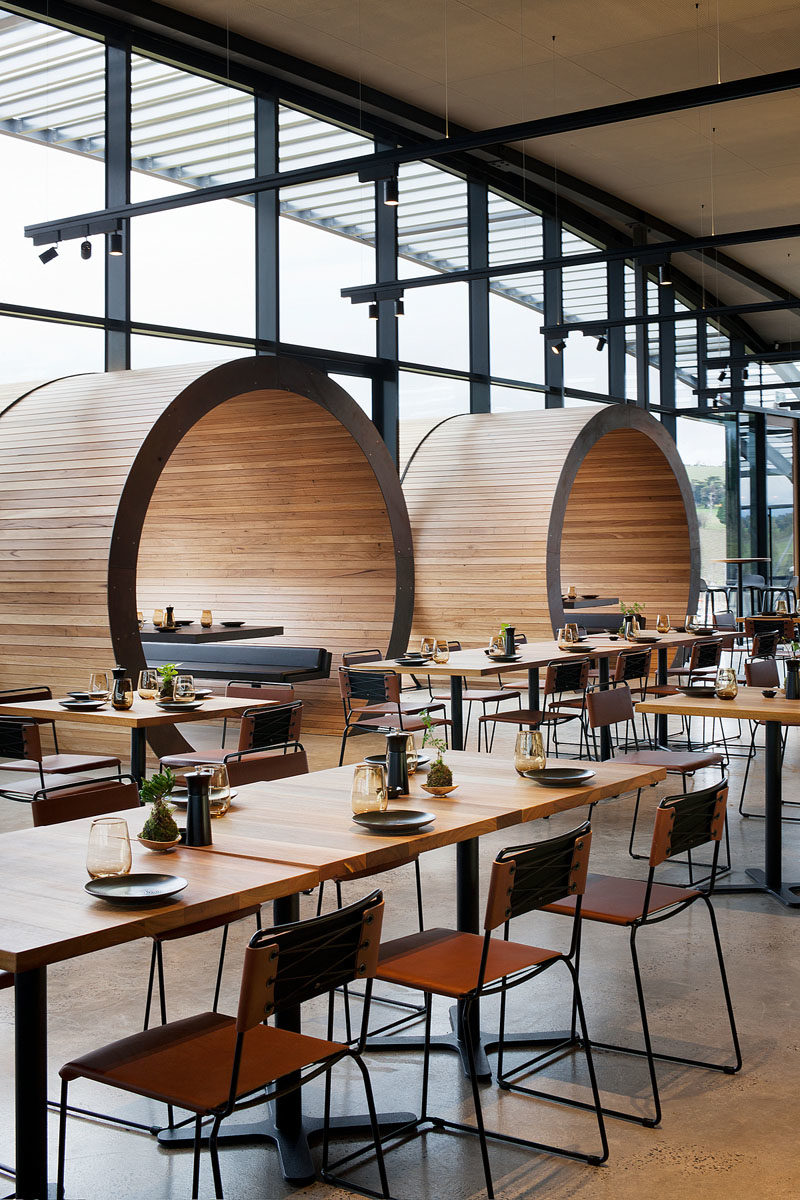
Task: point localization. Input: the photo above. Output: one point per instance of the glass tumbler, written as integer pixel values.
(109, 851)
(219, 788)
(122, 694)
(184, 688)
(148, 684)
(98, 685)
(411, 754)
(426, 647)
(206, 619)
(441, 651)
(662, 623)
(529, 752)
(726, 685)
(158, 617)
(368, 793)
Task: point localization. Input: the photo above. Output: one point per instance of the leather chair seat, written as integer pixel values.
(478, 696)
(447, 962)
(618, 901)
(516, 716)
(675, 761)
(188, 1063)
(63, 764)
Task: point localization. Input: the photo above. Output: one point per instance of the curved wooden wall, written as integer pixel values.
(81, 460)
(508, 508)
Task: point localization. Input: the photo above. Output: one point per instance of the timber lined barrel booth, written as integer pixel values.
(508, 509)
(257, 488)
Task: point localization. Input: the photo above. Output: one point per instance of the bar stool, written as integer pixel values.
(754, 586)
(788, 593)
(709, 594)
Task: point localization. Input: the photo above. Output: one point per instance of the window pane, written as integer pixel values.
(701, 445)
(357, 387)
(168, 352)
(52, 97)
(515, 343)
(504, 399)
(425, 400)
(31, 350)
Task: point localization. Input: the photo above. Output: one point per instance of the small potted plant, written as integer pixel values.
(166, 680)
(440, 778)
(159, 832)
(630, 618)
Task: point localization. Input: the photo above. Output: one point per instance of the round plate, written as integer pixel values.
(179, 796)
(581, 649)
(181, 624)
(645, 638)
(589, 595)
(179, 705)
(203, 693)
(137, 889)
(412, 662)
(560, 776)
(82, 696)
(232, 624)
(395, 820)
(83, 705)
(698, 689)
(380, 760)
(503, 657)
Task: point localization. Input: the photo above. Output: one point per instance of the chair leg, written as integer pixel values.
(426, 1057)
(150, 982)
(633, 824)
(62, 1140)
(476, 1098)
(220, 966)
(198, 1140)
(213, 1150)
(374, 1129)
(648, 1045)
(341, 749)
(587, 1049)
(729, 1070)
(162, 993)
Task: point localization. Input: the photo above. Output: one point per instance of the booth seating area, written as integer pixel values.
(261, 664)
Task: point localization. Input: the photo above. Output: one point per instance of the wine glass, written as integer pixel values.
(158, 617)
(441, 651)
(206, 619)
(368, 793)
(148, 683)
(98, 685)
(529, 752)
(109, 851)
(184, 688)
(426, 647)
(219, 787)
(726, 685)
(662, 623)
(122, 694)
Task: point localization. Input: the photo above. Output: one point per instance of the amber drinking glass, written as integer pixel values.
(441, 651)
(219, 787)
(426, 647)
(662, 623)
(726, 685)
(122, 694)
(529, 752)
(184, 688)
(140, 618)
(206, 619)
(411, 754)
(109, 851)
(368, 793)
(148, 684)
(158, 617)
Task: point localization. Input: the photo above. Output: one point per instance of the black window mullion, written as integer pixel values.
(267, 297)
(118, 189)
(478, 248)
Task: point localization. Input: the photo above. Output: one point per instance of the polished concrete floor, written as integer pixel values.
(721, 1136)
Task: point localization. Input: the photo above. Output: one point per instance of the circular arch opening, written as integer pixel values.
(264, 493)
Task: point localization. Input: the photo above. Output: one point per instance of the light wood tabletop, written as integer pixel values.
(143, 715)
(749, 704)
(307, 820)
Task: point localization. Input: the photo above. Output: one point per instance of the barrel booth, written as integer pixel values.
(509, 509)
(257, 488)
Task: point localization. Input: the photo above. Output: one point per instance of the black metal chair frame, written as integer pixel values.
(567, 674)
(528, 876)
(374, 687)
(256, 687)
(38, 691)
(13, 746)
(310, 958)
(499, 694)
(697, 818)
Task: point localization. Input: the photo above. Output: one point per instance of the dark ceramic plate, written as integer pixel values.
(503, 657)
(83, 705)
(179, 705)
(646, 638)
(395, 820)
(412, 662)
(589, 595)
(581, 648)
(380, 760)
(697, 689)
(561, 776)
(232, 624)
(181, 623)
(138, 889)
(203, 693)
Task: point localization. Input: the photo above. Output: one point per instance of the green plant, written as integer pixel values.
(160, 825)
(631, 610)
(439, 774)
(157, 787)
(166, 676)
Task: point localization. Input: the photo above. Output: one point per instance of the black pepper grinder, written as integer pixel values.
(198, 809)
(169, 617)
(397, 765)
(511, 645)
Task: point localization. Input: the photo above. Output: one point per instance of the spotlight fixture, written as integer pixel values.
(49, 254)
(558, 347)
(86, 250)
(391, 193)
(664, 275)
(373, 311)
(399, 307)
(115, 244)
(722, 376)
(601, 342)
(745, 373)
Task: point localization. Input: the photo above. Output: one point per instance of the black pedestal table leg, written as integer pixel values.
(662, 727)
(533, 688)
(740, 589)
(467, 919)
(605, 731)
(30, 1037)
(456, 713)
(139, 755)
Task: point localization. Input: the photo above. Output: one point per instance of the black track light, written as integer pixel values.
(722, 376)
(664, 275)
(745, 373)
(373, 311)
(558, 347)
(86, 250)
(601, 342)
(115, 244)
(391, 192)
(399, 307)
(49, 254)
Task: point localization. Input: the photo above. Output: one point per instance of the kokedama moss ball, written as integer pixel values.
(440, 775)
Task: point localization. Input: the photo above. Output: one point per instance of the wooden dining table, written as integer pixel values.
(143, 715)
(533, 656)
(276, 840)
(750, 705)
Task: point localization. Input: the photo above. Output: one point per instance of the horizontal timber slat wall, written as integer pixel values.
(509, 509)
(272, 496)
